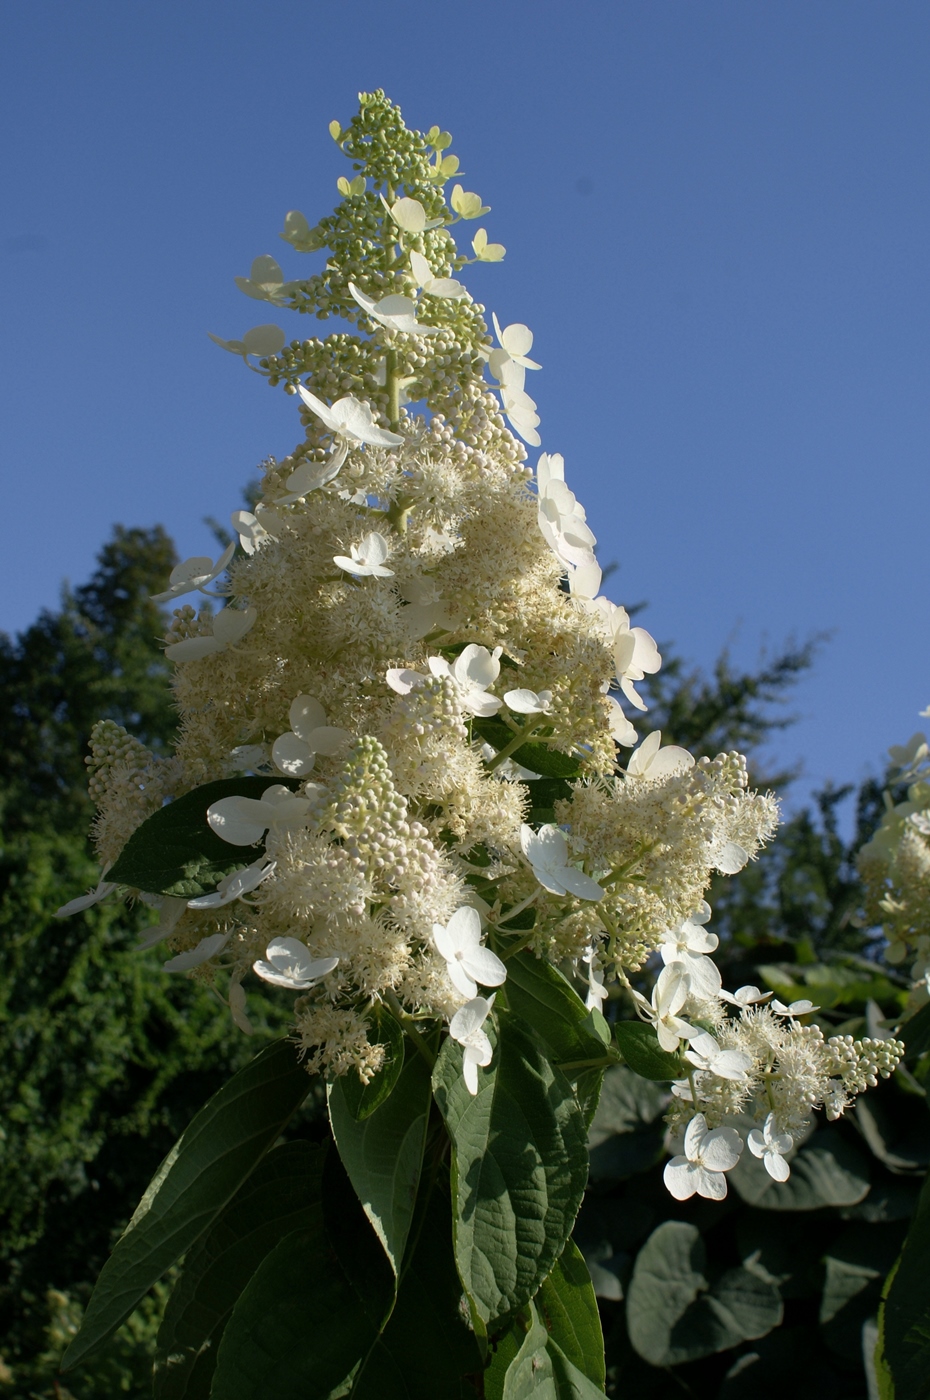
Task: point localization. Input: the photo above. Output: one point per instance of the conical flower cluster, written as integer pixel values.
(413, 673)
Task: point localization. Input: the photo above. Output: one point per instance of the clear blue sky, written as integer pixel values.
(717, 220)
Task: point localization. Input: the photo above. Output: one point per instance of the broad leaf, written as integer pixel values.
(904, 1320)
(916, 1032)
(427, 1349)
(383, 1154)
(672, 1313)
(175, 852)
(627, 1131)
(542, 1371)
(282, 1195)
(519, 1166)
(313, 1308)
(827, 1171)
(639, 1046)
(534, 755)
(547, 1001)
(362, 1099)
(222, 1146)
(568, 1308)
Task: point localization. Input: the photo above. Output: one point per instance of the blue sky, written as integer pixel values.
(717, 220)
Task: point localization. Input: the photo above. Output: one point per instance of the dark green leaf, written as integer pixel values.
(916, 1032)
(383, 1154)
(427, 1350)
(222, 1146)
(904, 1320)
(627, 1131)
(542, 1371)
(312, 1310)
(549, 763)
(672, 1313)
(519, 1166)
(568, 1308)
(362, 1099)
(827, 1171)
(639, 1046)
(282, 1195)
(175, 852)
(547, 1001)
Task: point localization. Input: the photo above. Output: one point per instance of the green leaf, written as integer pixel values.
(672, 1313)
(542, 1371)
(904, 1321)
(568, 1307)
(280, 1196)
(627, 1131)
(175, 852)
(541, 996)
(519, 1166)
(916, 1032)
(383, 1154)
(549, 763)
(362, 1099)
(827, 1171)
(427, 1350)
(313, 1308)
(639, 1046)
(208, 1164)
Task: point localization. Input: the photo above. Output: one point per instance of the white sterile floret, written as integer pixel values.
(706, 1157)
(520, 412)
(469, 963)
(528, 702)
(235, 885)
(85, 901)
(434, 286)
(688, 946)
(394, 312)
(466, 1028)
(294, 753)
(237, 1009)
(705, 1053)
(668, 997)
(289, 964)
(547, 852)
(229, 627)
(255, 530)
(170, 910)
(485, 251)
(311, 476)
(409, 215)
(910, 754)
(803, 1007)
(349, 418)
(473, 670)
(297, 232)
(771, 1146)
(564, 527)
(194, 574)
(260, 341)
(265, 282)
(467, 204)
(193, 957)
(597, 992)
(651, 761)
(366, 559)
(744, 996)
(244, 820)
(635, 654)
(621, 730)
(516, 342)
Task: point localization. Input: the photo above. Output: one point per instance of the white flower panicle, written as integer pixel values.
(413, 640)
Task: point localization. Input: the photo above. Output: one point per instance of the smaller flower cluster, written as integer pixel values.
(765, 1063)
(895, 866)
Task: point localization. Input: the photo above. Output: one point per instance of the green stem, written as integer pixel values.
(392, 383)
(410, 1031)
(521, 736)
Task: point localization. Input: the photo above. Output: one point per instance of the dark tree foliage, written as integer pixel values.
(103, 1058)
